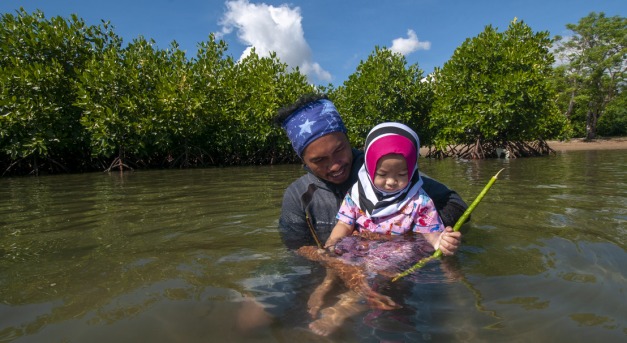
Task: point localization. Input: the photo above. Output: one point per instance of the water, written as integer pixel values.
(176, 256)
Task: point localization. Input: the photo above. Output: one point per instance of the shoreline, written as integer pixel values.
(577, 144)
(614, 143)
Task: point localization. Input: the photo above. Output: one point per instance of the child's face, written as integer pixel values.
(392, 174)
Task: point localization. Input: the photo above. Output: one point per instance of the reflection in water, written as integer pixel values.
(167, 256)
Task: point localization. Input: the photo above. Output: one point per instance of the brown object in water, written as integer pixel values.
(353, 275)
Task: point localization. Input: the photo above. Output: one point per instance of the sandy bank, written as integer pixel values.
(614, 143)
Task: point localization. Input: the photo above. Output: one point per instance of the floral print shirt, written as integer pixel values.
(419, 216)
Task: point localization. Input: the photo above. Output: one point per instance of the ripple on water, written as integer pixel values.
(168, 254)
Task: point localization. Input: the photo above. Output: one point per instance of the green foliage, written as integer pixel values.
(383, 89)
(71, 94)
(562, 99)
(177, 121)
(206, 95)
(594, 68)
(39, 62)
(495, 89)
(117, 92)
(614, 120)
(68, 89)
(252, 91)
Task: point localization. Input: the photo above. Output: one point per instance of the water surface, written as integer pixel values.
(172, 256)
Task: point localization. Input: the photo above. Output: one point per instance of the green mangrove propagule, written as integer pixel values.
(458, 224)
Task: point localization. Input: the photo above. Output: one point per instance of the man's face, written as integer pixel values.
(330, 157)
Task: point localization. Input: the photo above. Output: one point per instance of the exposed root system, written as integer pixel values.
(483, 150)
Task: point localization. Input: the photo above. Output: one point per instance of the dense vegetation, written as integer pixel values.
(592, 77)
(494, 93)
(73, 98)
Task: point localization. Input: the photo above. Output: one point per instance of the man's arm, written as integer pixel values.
(293, 226)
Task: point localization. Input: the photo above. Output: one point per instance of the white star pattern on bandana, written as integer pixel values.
(311, 122)
(306, 127)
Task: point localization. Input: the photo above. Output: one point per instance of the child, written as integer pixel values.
(386, 199)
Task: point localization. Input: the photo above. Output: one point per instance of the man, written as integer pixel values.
(310, 203)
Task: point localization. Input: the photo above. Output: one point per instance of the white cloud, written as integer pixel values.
(268, 28)
(406, 46)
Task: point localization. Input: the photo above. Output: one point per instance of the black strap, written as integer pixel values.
(306, 199)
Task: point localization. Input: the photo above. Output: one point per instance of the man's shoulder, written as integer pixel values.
(301, 183)
(305, 187)
(300, 186)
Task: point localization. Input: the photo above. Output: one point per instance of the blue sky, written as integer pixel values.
(326, 38)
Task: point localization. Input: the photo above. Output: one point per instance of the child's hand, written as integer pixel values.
(450, 241)
(329, 244)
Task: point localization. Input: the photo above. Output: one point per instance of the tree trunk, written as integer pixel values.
(591, 125)
(571, 105)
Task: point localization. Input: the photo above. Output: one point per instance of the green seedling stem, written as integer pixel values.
(438, 253)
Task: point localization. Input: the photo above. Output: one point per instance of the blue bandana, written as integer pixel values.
(311, 122)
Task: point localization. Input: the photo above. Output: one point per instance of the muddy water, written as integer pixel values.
(176, 256)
